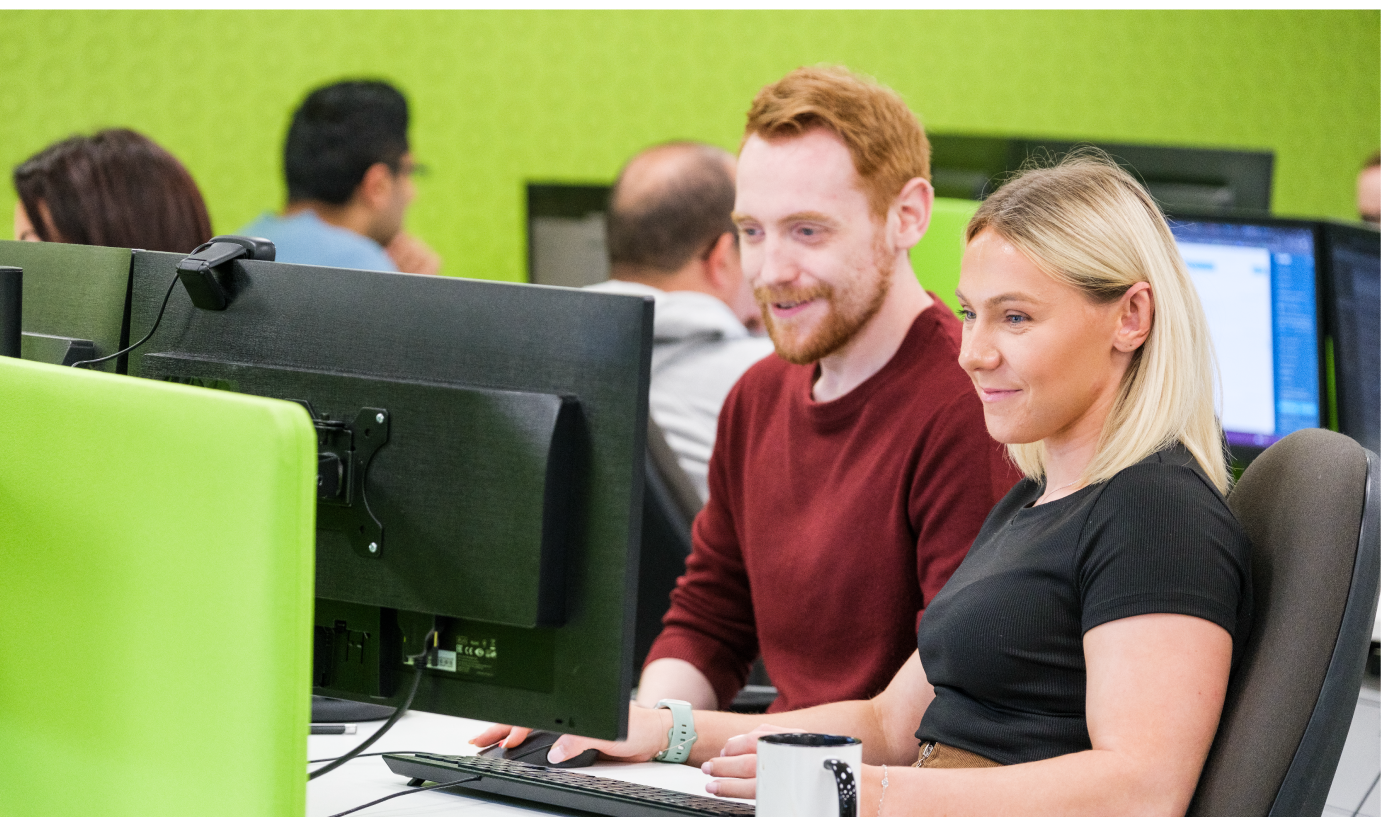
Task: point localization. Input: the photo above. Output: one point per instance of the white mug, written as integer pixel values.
(806, 775)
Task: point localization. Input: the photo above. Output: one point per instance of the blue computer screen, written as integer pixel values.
(1257, 284)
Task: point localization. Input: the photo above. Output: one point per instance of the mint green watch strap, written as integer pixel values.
(682, 734)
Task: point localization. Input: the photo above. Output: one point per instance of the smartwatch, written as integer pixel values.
(682, 734)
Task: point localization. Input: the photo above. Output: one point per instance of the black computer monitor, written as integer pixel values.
(1257, 280)
(482, 453)
(1180, 178)
(74, 301)
(1352, 305)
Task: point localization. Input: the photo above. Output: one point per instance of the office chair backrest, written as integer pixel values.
(1310, 506)
(670, 503)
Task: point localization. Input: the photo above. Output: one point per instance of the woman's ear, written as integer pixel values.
(1135, 317)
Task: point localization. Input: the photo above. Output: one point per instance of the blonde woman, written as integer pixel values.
(1077, 661)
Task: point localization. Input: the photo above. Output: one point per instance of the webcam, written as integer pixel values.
(198, 271)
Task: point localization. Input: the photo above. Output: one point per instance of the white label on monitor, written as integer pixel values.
(1235, 288)
(477, 657)
(444, 660)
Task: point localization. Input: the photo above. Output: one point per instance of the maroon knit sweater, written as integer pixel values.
(831, 525)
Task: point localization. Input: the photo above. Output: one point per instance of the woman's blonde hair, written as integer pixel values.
(1086, 222)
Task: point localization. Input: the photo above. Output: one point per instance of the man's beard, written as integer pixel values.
(847, 311)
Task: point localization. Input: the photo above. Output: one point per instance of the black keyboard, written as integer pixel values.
(554, 787)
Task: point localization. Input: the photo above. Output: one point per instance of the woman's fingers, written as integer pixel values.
(740, 745)
(736, 766)
(746, 744)
(732, 787)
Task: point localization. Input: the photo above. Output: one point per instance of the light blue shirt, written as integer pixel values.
(306, 239)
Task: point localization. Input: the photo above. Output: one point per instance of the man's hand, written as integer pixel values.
(648, 735)
(410, 254)
(502, 734)
(737, 764)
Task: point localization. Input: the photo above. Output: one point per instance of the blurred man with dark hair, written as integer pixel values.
(1368, 188)
(349, 174)
(670, 237)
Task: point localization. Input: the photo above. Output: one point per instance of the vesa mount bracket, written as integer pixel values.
(344, 451)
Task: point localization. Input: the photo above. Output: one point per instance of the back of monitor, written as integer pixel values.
(75, 301)
(501, 488)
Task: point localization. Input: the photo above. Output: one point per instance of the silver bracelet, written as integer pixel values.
(883, 791)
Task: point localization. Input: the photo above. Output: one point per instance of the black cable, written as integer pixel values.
(402, 793)
(129, 349)
(420, 662)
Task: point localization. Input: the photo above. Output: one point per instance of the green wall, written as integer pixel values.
(501, 98)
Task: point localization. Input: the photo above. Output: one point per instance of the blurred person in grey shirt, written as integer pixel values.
(670, 237)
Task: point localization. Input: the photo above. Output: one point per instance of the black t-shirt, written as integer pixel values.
(1001, 642)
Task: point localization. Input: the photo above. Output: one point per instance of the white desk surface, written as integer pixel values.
(367, 778)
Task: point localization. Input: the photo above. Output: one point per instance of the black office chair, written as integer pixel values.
(1310, 505)
(670, 503)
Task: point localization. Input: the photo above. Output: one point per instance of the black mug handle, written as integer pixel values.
(845, 787)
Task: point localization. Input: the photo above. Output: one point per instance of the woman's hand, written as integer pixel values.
(737, 763)
(648, 731)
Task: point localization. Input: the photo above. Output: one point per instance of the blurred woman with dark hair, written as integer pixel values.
(115, 188)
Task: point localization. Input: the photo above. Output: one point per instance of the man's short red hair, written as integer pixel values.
(885, 140)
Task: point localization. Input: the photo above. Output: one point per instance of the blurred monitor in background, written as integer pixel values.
(115, 188)
(1352, 309)
(350, 182)
(1368, 191)
(670, 238)
(1257, 284)
(1180, 178)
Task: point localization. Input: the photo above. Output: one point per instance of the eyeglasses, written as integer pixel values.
(409, 168)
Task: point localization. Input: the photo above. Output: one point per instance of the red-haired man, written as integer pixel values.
(851, 470)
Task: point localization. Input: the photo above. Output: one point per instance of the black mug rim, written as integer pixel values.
(810, 740)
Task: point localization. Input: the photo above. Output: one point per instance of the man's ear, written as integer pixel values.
(1135, 317)
(376, 187)
(913, 207)
(722, 264)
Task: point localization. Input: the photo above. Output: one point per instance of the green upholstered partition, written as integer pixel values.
(71, 291)
(156, 570)
(936, 258)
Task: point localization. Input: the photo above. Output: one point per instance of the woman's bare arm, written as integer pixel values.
(1155, 687)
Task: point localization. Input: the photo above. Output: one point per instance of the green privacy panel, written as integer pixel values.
(72, 294)
(156, 586)
(936, 258)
